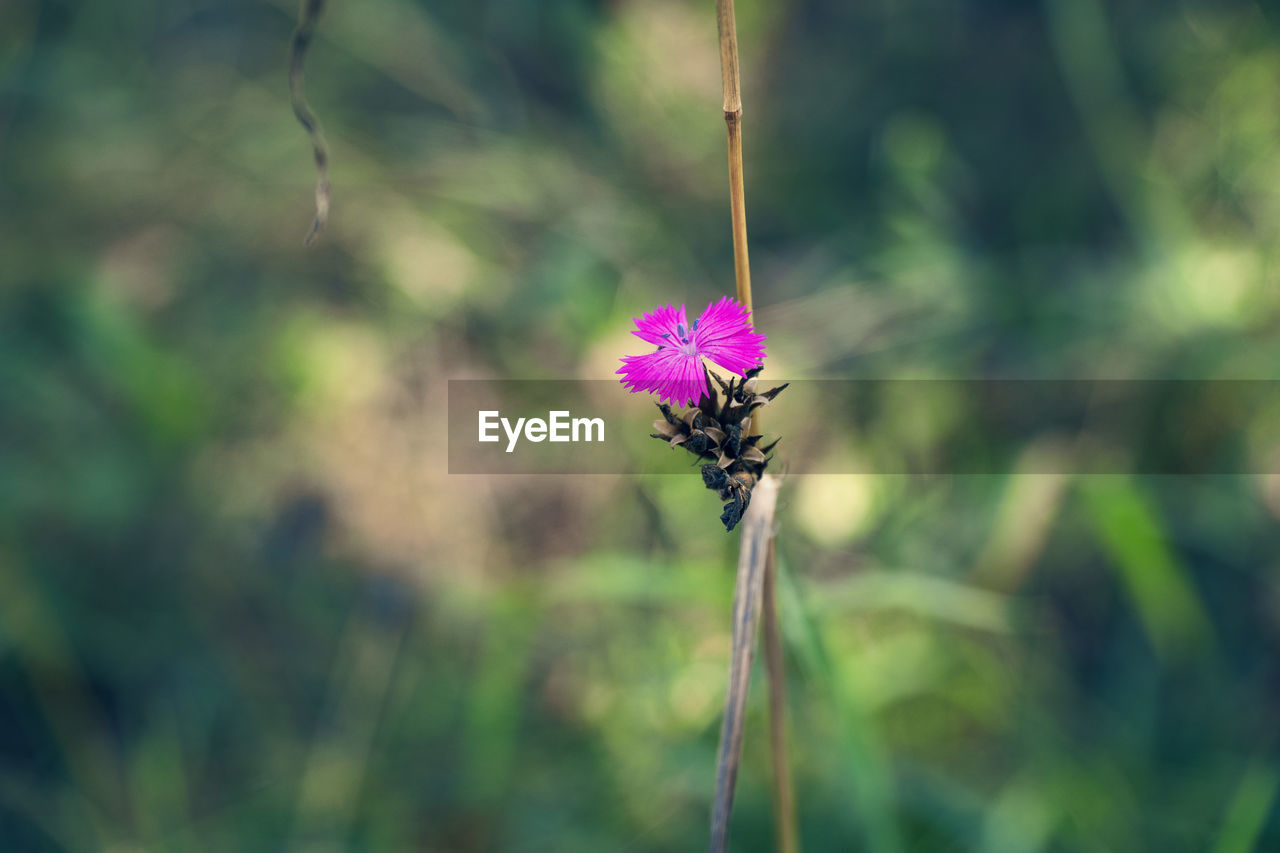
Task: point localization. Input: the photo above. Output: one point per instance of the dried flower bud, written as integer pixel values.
(718, 431)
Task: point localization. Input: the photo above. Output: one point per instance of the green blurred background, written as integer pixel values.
(244, 607)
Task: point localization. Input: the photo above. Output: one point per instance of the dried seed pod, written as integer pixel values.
(699, 442)
(718, 431)
(666, 428)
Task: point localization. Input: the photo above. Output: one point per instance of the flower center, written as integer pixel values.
(686, 345)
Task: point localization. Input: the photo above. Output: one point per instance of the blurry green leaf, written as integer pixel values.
(867, 760)
(1248, 811)
(1132, 535)
(610, 578)
(926, 595)
(495, 705)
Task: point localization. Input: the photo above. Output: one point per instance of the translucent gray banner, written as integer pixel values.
(887, 426)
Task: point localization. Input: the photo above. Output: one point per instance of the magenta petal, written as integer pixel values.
(690, 383)
(674, 377)
(663, 321)
(725, 336)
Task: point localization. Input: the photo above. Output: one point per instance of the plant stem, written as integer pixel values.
(753, 557)
(784, 805)
(784, 800)
(733, 123)
(308, 15)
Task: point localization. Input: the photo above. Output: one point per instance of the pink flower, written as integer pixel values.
(674, 371)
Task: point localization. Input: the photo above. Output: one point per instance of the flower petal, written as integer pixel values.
(673, 376)
(725, 336)
(661, 326)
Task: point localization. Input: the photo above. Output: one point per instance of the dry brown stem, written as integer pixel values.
(753, 557)
(308, 15)
(766, 597)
